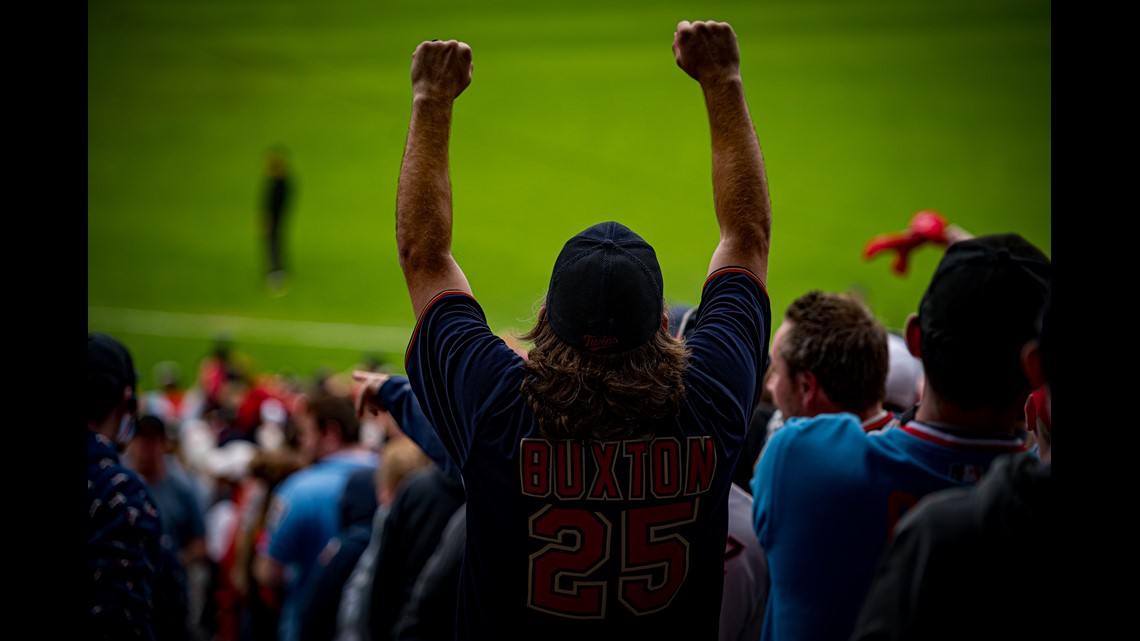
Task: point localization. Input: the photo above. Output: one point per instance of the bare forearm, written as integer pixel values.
(740, 185)
(440, 72)
(423, 200)
(708, 52)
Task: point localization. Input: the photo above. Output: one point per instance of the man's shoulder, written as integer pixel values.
(106, 471)
(296, 482)
(823, 426)
(428, 484)
(175, 485)
(822, 437)
(100, 451)
(122, 483)
(114, 490)
(730, 285)
(319, 479)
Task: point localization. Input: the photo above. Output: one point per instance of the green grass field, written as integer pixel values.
(866, 112)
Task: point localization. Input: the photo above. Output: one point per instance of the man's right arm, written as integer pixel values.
(440, 72)
(708, 52)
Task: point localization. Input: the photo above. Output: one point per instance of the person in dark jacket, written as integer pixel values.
(429, 613)
(411, 534)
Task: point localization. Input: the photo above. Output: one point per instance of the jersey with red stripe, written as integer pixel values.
(591, 539)
(879, 421)
(826, 498)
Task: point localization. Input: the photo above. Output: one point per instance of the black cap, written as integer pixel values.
(109, 362)
(990, 289)
(606, 294)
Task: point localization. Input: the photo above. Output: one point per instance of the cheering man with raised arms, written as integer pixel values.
(597, 471)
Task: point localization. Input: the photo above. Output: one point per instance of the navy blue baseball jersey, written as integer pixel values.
(585, 539)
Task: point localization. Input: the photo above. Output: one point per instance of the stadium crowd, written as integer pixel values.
(841, 481)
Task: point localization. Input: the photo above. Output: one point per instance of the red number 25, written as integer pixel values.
(654, 563)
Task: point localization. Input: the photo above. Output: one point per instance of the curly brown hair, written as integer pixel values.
(836, 337)
(576, 394)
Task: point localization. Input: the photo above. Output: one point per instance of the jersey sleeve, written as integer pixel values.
(397, 396)
(459, 370)
(729, 348)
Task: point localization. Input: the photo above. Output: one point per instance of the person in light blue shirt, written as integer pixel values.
(828, 495)
(304, 512)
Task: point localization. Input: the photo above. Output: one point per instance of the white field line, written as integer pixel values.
(245, 329)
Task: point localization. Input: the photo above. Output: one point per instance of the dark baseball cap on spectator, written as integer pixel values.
(980, 308)
(606, 294)
(109, 363)
(990, 287)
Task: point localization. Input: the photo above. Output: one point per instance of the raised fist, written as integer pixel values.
(441, 69)
(707, 51)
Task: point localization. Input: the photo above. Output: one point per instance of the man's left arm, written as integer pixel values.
(384, 393)
(440, 72)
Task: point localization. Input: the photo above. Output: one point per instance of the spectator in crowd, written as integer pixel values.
(416, 519)
(170, 401)
(960, 556)
(401, 459)
(817, 370)
(246, 609)
(746, 581)
(319, 603)
(429, 614)
(304, 512)
(321, 608)
(427, 498)
(183, 526)
(598, 470)
(830, 355)
(904, 377)
(976, 314)
(215, 368)
(122, 556)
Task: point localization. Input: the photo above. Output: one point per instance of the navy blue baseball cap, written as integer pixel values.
(606, 294)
